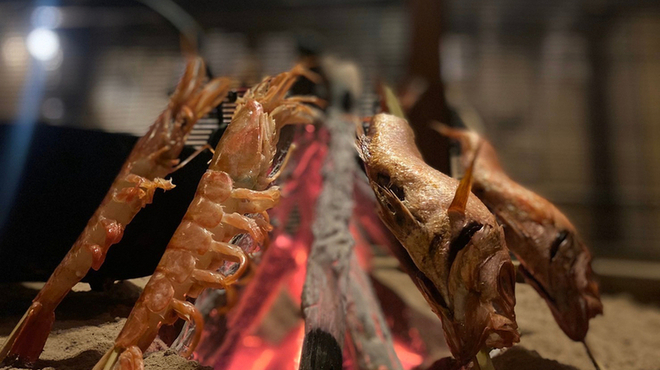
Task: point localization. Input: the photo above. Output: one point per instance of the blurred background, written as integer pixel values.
(568, 91)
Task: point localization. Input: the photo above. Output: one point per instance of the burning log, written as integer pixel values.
(324, 293)
(366, 324)
(337, 294)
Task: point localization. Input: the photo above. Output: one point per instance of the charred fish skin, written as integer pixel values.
(460, 263)
(554, 259)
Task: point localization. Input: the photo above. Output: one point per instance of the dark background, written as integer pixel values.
(567, 91)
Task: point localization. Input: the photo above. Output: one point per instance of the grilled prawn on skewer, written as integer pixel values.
(230, 193)
(153, 157)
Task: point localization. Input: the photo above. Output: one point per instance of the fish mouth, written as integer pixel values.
(503, 332)
(573, 319)
(498, 332)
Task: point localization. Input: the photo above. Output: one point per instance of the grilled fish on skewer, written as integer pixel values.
(455, 250)
(553, 258)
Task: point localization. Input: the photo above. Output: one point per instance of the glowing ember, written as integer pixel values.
(244, 338)
(282, 271)
(409, 359)
(261, 355)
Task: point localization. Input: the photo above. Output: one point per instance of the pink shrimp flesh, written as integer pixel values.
(230, 193)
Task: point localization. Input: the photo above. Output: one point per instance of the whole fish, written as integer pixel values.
(456, 252)
(553, 257)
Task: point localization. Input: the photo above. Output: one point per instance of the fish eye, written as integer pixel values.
(559, 240)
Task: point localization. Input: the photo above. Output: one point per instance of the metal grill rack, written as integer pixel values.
(218, 119)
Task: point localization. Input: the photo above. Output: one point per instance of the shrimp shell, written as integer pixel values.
(153, 157)
(232, 198)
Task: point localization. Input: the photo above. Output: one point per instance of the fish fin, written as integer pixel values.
(398, 211)
(445, 130)
(389, 103)
(457, 206)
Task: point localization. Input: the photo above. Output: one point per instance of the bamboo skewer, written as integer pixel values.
(591, 356)
(482, 360)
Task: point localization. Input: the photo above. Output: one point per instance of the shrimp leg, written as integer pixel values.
(151, 159)
(244, 223)
(190, 313)
(131, 358)
(248, 194)
(230, 251)
(232, 198)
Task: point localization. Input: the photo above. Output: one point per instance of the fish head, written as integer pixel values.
(568, 285)
(462, 267)
(482, 287)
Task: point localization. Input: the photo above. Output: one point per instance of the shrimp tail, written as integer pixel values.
(36, 321)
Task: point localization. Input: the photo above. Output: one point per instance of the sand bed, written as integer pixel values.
(627, 338)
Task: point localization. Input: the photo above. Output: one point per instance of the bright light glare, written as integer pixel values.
(43, 44)
(46, 17)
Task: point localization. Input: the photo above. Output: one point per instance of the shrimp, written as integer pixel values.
(232, 191)
(455, 251)
(153, 157)
(553, 258)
